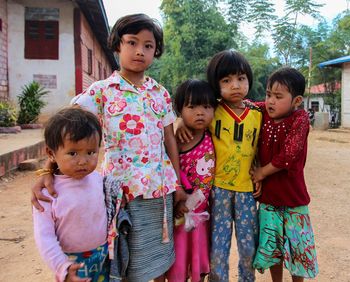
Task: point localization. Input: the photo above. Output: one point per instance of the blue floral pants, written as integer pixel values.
(240, 208)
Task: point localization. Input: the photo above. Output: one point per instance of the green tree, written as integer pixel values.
(193, 31)
(285, 28)
(260, 13)
(262, 65)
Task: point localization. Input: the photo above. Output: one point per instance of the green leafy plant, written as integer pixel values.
(31, 103)
(8, 114)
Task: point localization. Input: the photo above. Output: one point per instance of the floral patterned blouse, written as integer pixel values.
(133, 122)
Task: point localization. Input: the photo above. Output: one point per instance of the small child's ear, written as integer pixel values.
(297, 101)
(50, 154)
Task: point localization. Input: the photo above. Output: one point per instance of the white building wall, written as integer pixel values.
(316, 98)
(21, 70)
(345, 96)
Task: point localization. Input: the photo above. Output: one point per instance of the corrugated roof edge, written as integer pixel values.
(335, 62)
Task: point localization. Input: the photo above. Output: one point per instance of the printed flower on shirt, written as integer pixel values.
(169, 171)
(145, 180)
(156, 106)
(136, 142)
(155, 139)
(116, 106)
(128, 194)
(167, 98)
(160, 125)
(131, 124)
(124, 162)
(161, 190)
(141, 159)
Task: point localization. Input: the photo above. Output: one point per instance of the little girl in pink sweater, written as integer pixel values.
(71, 232)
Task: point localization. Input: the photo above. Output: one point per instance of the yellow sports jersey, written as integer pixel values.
(235, 140)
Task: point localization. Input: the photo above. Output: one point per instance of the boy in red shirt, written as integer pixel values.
(286, 236)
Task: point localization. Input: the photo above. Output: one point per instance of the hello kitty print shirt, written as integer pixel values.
(198, 165)
(133, 122)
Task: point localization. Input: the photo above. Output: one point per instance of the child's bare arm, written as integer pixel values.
(261, 173)
(173, 153)
(183, 134)
(171, 148)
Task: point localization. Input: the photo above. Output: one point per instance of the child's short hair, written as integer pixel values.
(133, 24)
(195, 92)
(73, 122)
(290, 78)
(225, 63)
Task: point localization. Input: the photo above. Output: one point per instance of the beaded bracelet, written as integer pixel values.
(44, 171)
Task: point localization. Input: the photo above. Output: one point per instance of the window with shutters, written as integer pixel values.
(41, 33)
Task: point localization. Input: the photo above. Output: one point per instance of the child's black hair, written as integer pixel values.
(225, 63)
(74, 123)
(133, 24)
(194, 92)
(290, 78)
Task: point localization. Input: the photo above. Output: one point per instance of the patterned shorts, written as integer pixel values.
(95, 262)
(286, 236)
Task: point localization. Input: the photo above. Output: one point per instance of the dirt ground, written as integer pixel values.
(327, 175)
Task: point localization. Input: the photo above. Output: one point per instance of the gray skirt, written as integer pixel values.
(149, 257)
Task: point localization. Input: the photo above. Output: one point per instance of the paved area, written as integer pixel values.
(12, 142)
(18, 147)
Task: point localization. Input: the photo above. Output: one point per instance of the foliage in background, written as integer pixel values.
(334, 101)
(262, 65)
(237, 13)
(31, 102)
(8, 115)
(194, 30)
(284, 33)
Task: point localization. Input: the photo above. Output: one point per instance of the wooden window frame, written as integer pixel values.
(41, 40)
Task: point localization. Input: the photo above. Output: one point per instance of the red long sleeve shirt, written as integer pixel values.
(284, 144)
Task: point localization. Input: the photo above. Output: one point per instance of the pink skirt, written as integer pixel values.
(191, 253)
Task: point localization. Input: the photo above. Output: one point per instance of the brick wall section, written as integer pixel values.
(4, 88)
(89, 41)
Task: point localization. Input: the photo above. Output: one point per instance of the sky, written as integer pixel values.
(118, 8)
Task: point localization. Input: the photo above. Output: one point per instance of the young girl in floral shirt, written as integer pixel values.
(137, 118)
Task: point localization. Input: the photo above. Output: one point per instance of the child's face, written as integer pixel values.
(233, 88)
(280, 102)
(197, 117)
(137, 51)
(76, 159)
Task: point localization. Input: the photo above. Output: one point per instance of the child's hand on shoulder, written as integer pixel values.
(72, 274)
(182, 133)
